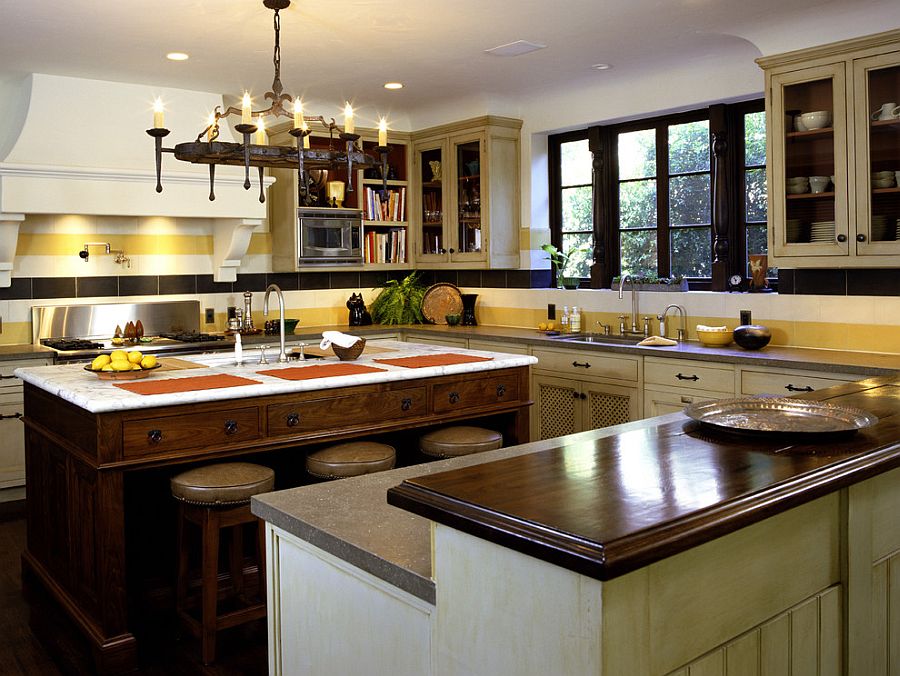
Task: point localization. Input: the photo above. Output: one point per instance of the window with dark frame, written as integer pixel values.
(660, 183)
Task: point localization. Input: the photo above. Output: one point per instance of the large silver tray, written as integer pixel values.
(751, 415)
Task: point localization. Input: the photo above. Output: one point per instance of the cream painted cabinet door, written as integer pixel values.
(557, 407)
(604, 404)
(659, 402)
(449, 342)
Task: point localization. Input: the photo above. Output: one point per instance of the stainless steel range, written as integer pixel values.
(81, 332)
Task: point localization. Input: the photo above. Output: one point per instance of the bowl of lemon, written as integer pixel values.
(123, 365)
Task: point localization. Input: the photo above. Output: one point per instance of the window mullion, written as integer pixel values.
(663, 265)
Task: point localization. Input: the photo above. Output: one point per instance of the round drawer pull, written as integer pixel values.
(501, 390)
(154, 436)
(693, 377)
(293, 419)
(453, 397)
(842, 238)
(406, 404)
(231, 426)
(792, 388)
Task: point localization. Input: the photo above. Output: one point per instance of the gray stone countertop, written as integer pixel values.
(352, 520)
(24, 351)
(826, 361)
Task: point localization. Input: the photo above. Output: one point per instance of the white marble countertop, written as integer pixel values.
(77, 386)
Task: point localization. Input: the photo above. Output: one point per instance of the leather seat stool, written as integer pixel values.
(214, 497)
(353, 458)
(451, 442)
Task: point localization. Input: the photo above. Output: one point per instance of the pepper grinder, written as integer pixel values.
(248, 316)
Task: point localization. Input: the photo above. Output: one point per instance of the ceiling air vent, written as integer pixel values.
(516, 48)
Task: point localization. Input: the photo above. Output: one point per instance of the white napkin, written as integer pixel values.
(657, 341)
(704, 327)
(338, 338)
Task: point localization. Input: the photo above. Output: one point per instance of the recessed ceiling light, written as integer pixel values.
(516, 48)
(601, 66)
(393, 85)
(177, 56)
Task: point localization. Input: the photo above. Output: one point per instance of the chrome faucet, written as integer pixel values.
(682, 332)
(282, 356)
(634, 303)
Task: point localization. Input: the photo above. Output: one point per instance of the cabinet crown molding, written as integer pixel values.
(831, 49)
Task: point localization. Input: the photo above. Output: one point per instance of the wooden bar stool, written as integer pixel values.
(451, 442)
(215, 497)
(353, 458)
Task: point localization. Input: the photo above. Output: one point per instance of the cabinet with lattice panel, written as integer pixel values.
(568, 405)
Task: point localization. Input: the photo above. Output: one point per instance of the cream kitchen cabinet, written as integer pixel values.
(492, 346)
(578, 390)
(465, 193)
(672, 384)
(12, 433)
(853, 221)
(438, 340)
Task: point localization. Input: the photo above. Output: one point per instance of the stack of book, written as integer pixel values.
(385, 206)
(386, 247)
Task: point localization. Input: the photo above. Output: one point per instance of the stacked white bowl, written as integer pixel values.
(797, 185)
(819, 183)
(883, 179)
(818, 119)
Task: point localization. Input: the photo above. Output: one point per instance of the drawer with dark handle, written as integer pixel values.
(472, 393)
(349, 411)
(170, 433)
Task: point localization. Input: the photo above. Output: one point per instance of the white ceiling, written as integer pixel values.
(340, 49)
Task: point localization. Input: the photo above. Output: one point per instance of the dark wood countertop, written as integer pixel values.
(609, 506)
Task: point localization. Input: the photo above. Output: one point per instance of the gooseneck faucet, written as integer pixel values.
(634, 301)
(682, 332)
(282, 356)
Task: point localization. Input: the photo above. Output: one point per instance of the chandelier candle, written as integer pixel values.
(245, 109)
(349, 126)
(159, 116)
(382, 132)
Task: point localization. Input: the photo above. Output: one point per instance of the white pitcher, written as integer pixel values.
(888, 111)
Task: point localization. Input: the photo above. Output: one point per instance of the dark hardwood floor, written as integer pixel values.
(37, 639)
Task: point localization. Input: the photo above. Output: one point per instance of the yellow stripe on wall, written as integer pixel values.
(30, 244)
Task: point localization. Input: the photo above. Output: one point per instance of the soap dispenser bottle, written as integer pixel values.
(564, 320)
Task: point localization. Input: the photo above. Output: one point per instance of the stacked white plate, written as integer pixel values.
(821, 231)
(881, 229)
(795, 231)
(897, 233)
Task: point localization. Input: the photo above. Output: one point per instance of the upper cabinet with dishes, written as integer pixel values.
(834, 149)
(465, 206)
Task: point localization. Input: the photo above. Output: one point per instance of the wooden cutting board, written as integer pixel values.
(175, 364)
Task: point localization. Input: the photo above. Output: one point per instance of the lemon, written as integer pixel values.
(551, 326)
(135, 357)
(117, 341)
(108, 367)
(100, 361)
(148, 362)
(135, 367)
(118, 354)
(542, 326)
(121, 365)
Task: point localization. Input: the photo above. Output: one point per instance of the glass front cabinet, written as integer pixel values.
(834, 143)
(466, 194)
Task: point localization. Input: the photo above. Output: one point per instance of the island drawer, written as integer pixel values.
(162, 434)
(352, 410)
(687, 373)
(473, 392)
(586, 363)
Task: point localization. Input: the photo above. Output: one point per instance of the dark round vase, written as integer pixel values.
(752, 336)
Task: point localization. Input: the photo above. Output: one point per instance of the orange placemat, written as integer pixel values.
(187, 384)
(320, 371)
(421, 361)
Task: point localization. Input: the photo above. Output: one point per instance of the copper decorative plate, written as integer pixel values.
(441, 300)
(769, 415)
(122, 375)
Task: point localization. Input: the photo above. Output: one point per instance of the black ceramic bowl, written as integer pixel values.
(752, 336)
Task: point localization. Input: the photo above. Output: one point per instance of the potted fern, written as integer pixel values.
(400, 302)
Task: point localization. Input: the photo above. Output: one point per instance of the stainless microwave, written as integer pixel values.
(329, 236)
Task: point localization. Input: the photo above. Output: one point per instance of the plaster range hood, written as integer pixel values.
(78, 146)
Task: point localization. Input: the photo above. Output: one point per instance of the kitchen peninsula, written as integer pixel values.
(653, 548)
(99, 456)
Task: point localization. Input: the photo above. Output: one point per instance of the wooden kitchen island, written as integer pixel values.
(654, 548)
(90, 444)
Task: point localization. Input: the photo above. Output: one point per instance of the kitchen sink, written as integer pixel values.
(600, 339)
(250, 358)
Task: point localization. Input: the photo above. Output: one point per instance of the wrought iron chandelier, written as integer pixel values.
(207, 150)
